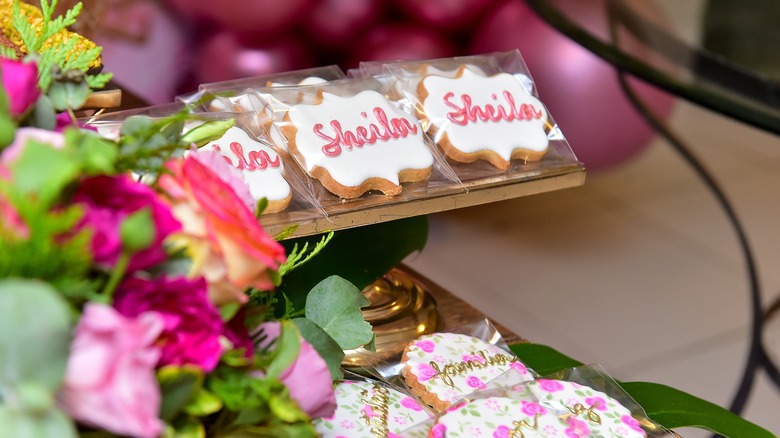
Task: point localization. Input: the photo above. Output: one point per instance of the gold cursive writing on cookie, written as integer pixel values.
(591, 415)
(517, 432)
(457, 368)
(378, 403)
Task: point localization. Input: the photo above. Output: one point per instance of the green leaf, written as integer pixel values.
(359, 255)
(96, 154)
(44, 171)
(543, 359)
(205, 403)
(68, 94)
(285, 350)
(137, 231)
(334, 305)
(44, 116)
(178, 386)
(229, 310)
(260, 207)
(207, 132)
(325, 346)
(99, 81)
(7, 130)
(187, 427)
(673, 408)
(48, 424)
(34, 353)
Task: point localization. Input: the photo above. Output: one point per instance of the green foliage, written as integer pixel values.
(295, 258)
(178, 386)
(325, 346)
(137, 231)
(7, 53)
(42, 424)
(285, 349)
(334, 304)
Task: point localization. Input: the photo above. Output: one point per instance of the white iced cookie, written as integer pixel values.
(260, 165)
(356, 144)
(441, 368)
(371, 410)
(474, 117)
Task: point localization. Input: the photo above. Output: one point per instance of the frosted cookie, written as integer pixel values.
(441, 368)
(476, 117)
(356, 144)
(370, 410)
(260, 165)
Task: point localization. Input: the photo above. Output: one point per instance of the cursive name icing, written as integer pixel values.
(457, 368)
(255, 160)
(383, 130)
(517, 432)
(578, 409)
(378, 403)
(467, 112)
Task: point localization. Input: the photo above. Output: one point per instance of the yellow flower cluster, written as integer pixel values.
(34, 15)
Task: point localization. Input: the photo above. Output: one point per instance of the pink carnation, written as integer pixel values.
(108, 200)
(110, 381)
(192, 324)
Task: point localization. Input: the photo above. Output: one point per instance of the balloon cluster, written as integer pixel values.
(241, 38)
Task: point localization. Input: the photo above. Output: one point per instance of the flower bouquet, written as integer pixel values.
(137, 286)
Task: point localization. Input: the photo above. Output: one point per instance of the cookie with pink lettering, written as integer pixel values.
(476, 117)
(260, 165)
(369, 410)
(356, 144)
(441, 368)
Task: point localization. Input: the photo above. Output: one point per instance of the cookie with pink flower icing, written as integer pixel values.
(544, 409)
(476, 117)
(261, 167)
(370, 410)
(441, 368)
(356, 144)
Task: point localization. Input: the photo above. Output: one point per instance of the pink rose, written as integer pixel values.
(425, 345)
(308, 378)
(409, 403)
(108, 200)
(20, 80)
(439, 430)
(425, 372)
(577, 428)
(531, 408)
(597, 402)
(475, 382)
(550, 385)
(230, 175)
(519, 367)
(501, 432)
(631, 422)
(110, 381)
(232, 250)
(192, 324)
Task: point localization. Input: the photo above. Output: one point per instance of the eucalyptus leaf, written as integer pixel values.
(325, 346)
(66, 94)
(96, 154)
(286, 349)
(44, 171)
(135, 125)
(334, 304)
(48, 424)
(44, 115)
(359, 255)
(32, 354)
(178, 386)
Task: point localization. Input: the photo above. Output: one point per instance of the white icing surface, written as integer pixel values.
(311, 80)
(263, 183)
(383, 159)
(502, 136)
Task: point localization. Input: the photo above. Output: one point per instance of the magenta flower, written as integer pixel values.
(475, 382)
(631, 422)
(550, 385)
(577, 428)
(439, 430)
(597, 402)
(108, 200)
(192, 323)
(425, 345)
(20, 80)
(425, 372)
(110, 381)
(308, 378)
(236, 332)
(409, 403)
(531, 408)
(501, 432)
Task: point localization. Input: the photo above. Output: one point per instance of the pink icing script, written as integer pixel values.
(397, 127)
(255, 160)
(469, 113)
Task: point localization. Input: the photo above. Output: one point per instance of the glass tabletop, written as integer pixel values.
(718, 54)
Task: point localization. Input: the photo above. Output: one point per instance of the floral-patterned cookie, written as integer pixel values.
(477, 117)
(260, 165)
(372, 410)
(356, 144)
(441, 368)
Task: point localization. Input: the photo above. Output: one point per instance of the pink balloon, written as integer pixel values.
(580, 90)
(401, 42)
(223, 57)
(261, 18)
(445, 14)
(335, 23)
